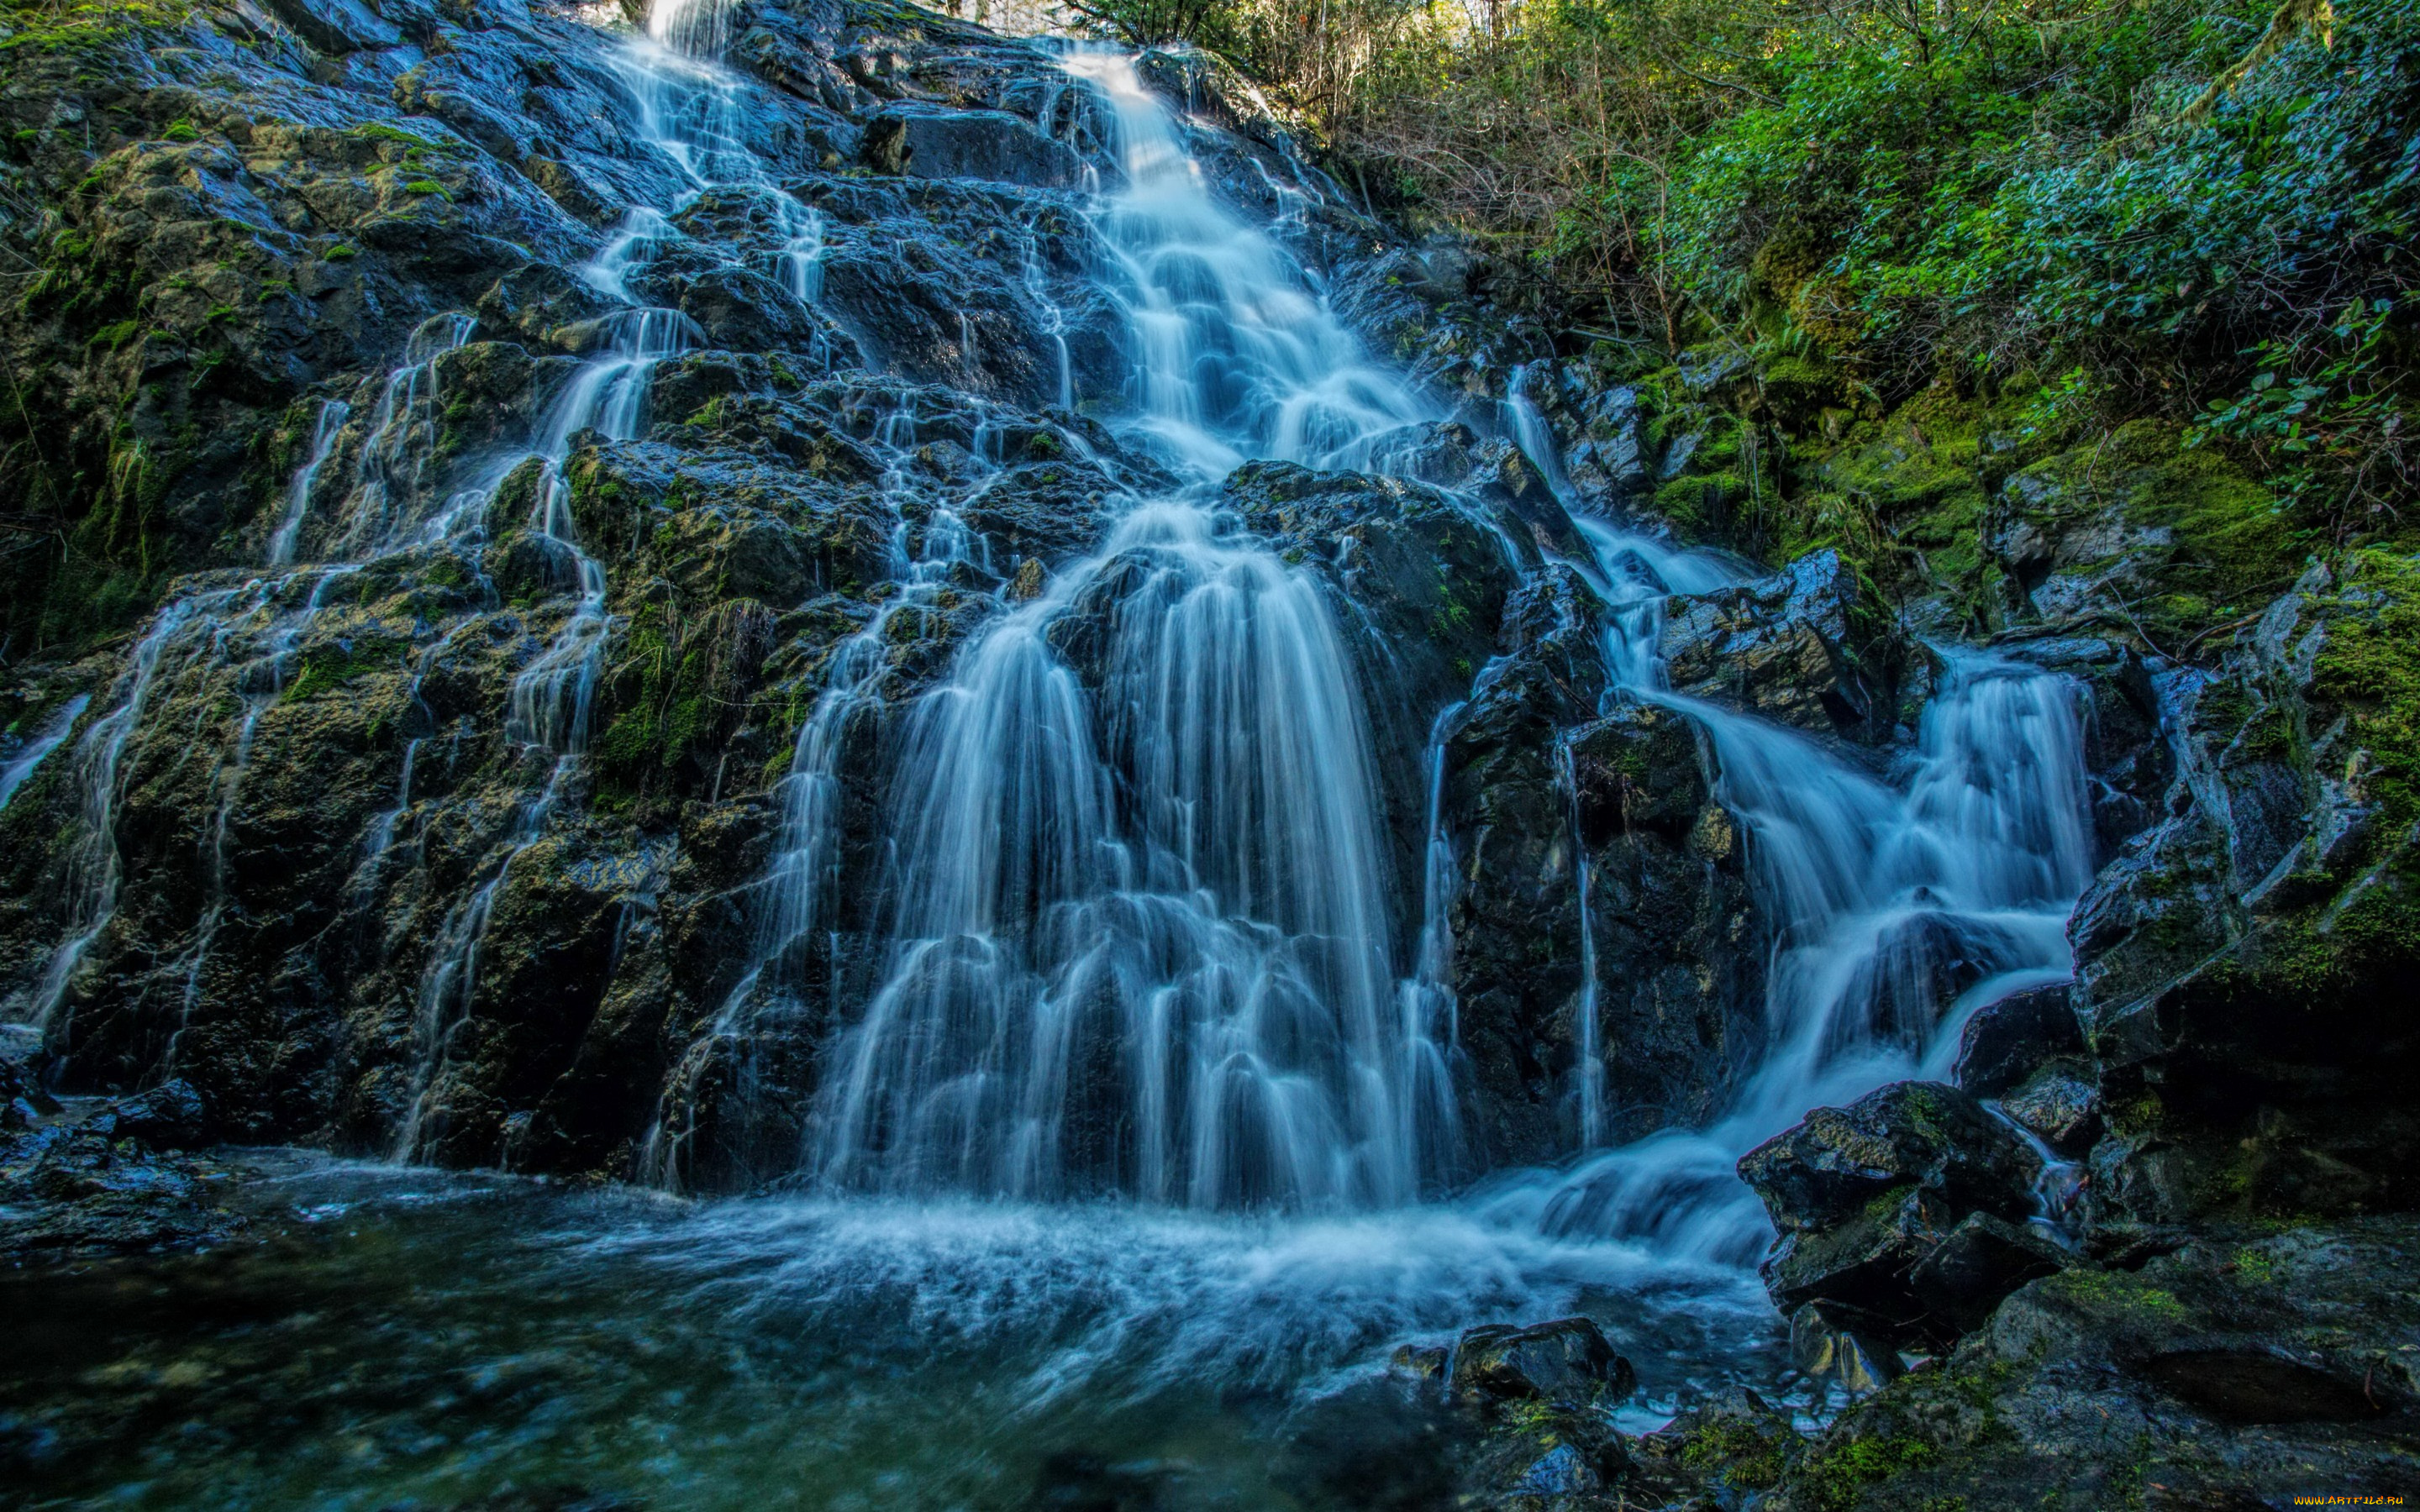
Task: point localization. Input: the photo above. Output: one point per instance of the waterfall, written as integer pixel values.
(1138, 933)
(1128, 929)
(1877, 895)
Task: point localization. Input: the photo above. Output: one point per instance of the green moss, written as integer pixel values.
(338, 252)
(328, 668)
(1745, 1459)
(381, 131)
(181, 131)
(2118, 1291)
(1837, 1478)
(61, 28)
(1695, 503)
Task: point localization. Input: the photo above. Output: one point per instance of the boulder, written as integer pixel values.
(986, 144)
(1567, 1360)
(1796, 647)
(1867, 1196)
(1923, 1136)
(170, 1116)
(2005, 1041)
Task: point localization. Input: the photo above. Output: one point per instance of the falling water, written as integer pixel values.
(1186, 995)
(46, 740)
(332, 415)
(1877, 898)
(94, 869)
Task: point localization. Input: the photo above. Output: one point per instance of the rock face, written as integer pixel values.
(2232, 962)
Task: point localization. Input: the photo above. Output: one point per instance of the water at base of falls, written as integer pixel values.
(433, 1340)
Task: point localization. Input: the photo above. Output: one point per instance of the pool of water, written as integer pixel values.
(412, 1338)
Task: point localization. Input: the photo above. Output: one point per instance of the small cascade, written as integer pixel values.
(36, 750)
(1529, 433)
(395, 456)
(1234, 357)
(259, 683)
(1874, 893)
(332, 415)
(94, 869)
(1430, 1012)
(1591, 1069)
(1054, 319)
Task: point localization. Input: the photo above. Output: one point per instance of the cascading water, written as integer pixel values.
(1139, 930)
(1877, 897)
(37, 749)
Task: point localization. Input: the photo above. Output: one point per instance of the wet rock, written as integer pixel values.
(1981, 1261)
(171, 1116)
(336, 26)
(1842, 1346)
(2262, 1386)
(2233, 963)
(1567, 1360)
(2059, 1105)
(1725, 1452)
(2229, 1374)
(1796, 647)
(2005, 1041)
(1921, 1135)
(980, 144)
(1867, 1195)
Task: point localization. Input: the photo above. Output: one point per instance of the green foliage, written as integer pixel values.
(2182, 208)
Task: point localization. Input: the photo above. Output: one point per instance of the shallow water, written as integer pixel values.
(414, 1338)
